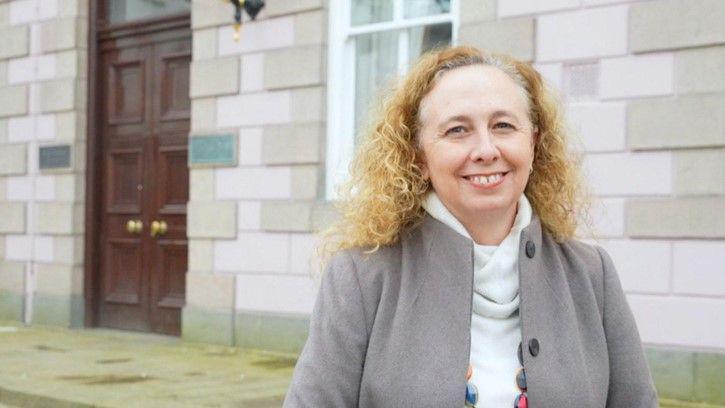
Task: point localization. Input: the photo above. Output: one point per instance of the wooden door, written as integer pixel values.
(143, 131)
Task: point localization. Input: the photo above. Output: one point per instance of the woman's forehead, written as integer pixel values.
(474, 90)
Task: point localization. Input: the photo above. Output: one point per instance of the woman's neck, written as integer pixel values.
(491, 228)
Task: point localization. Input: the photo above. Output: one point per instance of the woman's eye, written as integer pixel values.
(504, 125)
(453, 129)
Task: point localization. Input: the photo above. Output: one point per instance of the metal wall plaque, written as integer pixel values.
(54, 157)
(218, 150)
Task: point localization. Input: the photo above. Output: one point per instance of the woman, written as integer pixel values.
(456, 279)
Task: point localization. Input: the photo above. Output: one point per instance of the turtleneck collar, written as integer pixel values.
(495, 267)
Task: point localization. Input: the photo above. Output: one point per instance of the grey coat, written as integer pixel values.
(393, 329)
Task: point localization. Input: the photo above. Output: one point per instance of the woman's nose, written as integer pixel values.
(484, 148)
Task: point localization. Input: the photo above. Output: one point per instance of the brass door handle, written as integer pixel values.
(134, 226)
(158, 228)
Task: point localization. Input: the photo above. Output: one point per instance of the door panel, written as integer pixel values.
(144, 135)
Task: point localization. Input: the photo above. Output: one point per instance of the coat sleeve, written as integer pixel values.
(630, 381)
(329, 369)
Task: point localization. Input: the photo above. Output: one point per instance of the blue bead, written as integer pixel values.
(471, 395)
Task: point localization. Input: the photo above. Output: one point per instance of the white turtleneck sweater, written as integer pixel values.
(495, 322)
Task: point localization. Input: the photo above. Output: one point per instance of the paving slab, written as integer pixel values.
(46, 366)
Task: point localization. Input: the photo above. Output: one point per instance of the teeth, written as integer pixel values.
(486, 180)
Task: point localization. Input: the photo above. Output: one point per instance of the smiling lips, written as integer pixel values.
(485, 180)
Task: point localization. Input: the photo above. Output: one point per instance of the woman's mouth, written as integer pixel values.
(491, 180)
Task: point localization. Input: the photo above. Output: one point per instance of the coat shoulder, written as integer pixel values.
(581, 261)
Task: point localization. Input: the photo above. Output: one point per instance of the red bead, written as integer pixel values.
(521, 401)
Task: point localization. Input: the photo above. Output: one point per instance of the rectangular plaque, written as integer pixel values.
(219, 150)
(54, 157)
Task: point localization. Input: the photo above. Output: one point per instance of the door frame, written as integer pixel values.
(98, 31)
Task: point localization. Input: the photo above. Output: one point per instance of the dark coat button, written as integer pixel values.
(530, 249)
(534, 347)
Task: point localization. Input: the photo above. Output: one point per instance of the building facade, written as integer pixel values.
(156, 174)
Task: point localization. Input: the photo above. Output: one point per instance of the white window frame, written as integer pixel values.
(341, 77)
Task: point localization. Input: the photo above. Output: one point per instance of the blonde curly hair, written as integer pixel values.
(383, 196)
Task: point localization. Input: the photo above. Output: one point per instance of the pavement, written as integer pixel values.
(81, 368)
(55, 367)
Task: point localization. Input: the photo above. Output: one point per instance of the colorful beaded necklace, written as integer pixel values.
(521, 400)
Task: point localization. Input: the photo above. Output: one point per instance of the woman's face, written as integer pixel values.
(477, 141)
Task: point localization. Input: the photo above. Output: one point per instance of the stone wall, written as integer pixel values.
(43, 91)
(250, 224)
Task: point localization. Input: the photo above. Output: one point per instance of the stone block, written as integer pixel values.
(4, 14)
(608, 218)
(69, 188)
(12, 218)
(58, 279)
(201, 255)
(12, 276)
(72, 64)
(203, 114)
(311, 27)
(324, 215)
(72, 8)
(510, 8)
(553, 74)
(273, 332)
(63, 34)
(252, 72)
(68, 250)
(211, 219)
(254, 109)
(207, 326)
(673, 372)
(70, 126)
(581, 34)
(256, 252)
(59, 310)
(305, 182)
(3, 73)
(204, 44)
(292, 144)
(210, 291)
(689, 320)
(475, 11)
(17, 248)
(201, 184)
(700, 70)
(636, 76)
(673, 24)
(212, 77)
(250, 146)
(303, 257)
(279, 8)
(13, 100)
(601, 126)
(709, 369)
(706, 166)
(21, 70)
(617, 174)
(294, 67)
(13, 159)
(14, 42)
(308, 104)
(514, 37)
(210, 13)
(286, 216)
(257, 36)
(697, 268)
(643, 266)
(11, 304)
(276, 293)
(253, 183)
(691, 217)
(685, 121)
(59, 95)
(250, 215)
(55, 218)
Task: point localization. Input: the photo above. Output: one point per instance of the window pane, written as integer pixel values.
(370, 11)
(421, 8)
(376, 57)
(120, 11)
(424, 38)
